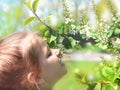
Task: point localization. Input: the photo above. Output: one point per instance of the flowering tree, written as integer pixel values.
(105, 34)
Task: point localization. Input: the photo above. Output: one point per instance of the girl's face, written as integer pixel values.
(52, 69)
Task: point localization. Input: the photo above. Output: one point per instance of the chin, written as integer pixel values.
(61, 74)
(63, 71)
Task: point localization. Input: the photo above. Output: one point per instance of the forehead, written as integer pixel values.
(42, 43)
(34, 40)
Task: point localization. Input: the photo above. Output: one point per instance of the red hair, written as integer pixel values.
(19, 54)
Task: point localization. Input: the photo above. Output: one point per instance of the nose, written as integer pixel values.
(57, 52)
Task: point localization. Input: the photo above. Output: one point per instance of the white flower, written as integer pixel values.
(67, 20)
(117, 41)
(108, 27)
(78, 27)
(114, 18)
(87, 32)
(73, 26)
(100, 24)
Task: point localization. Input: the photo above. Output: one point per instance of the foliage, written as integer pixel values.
(105, 34)
(54, 37)
(11, 15)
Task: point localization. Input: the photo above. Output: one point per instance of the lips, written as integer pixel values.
(65, 69)
(61, 63)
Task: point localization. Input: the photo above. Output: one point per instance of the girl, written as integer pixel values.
(27, 63)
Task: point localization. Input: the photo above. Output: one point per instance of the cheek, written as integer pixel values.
(53, 59)
(52, 63)
(52, 72)
(52, 69)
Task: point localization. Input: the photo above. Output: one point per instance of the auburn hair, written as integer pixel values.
(19, 54)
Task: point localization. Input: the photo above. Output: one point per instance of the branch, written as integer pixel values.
(41, 20)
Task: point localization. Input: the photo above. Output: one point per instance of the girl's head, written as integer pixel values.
(26, 62)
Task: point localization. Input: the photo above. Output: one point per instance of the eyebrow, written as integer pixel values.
(48, 49)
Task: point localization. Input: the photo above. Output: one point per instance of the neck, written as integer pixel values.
(46, 89)
(46, 85)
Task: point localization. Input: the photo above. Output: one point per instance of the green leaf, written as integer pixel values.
(92, 86)
(117, 31)
(61, 30)
(109, 34)
(34, 5)
(73, 42)
(47, 34)
(54, 33)
(109, 87)
(28, 4)
(28, 20)
(52, 44)
(48, 18)
(52, 38)
(66, 42)
(108, 73)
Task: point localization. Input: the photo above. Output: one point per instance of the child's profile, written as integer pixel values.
(27, 63)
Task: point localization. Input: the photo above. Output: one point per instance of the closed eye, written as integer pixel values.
(49, 53)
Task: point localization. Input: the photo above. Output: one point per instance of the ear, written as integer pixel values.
(33, 79)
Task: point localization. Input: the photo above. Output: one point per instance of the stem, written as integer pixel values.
(101, 86)
(41, 20)
(76, 37)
